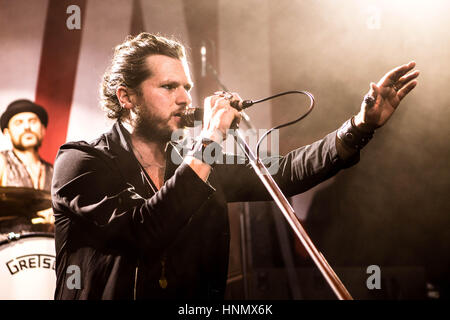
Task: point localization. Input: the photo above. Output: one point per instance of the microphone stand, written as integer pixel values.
(288, 212)
(274, 190)
(244, 219)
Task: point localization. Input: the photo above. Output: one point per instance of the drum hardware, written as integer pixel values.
(25, 210)
(12, 236)
(23, 201)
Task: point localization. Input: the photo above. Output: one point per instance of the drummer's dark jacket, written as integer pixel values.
(116, 238)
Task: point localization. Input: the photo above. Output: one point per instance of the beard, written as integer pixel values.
(19, 145)
(150, 126)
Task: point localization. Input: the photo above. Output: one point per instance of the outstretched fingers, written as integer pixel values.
(394, 75)
(406, 89)
(406, 79)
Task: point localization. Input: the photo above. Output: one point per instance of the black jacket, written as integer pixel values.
(120, 233)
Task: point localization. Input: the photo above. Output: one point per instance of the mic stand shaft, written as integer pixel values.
(288, 212)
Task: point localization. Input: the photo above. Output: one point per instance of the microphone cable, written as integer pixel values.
(311, 107)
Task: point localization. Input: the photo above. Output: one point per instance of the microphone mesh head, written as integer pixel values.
(191, 115)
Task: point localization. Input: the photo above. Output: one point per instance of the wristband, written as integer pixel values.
(352, 136)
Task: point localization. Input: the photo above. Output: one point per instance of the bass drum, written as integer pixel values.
(27, 266)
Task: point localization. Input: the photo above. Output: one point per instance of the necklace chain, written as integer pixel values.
(144, 163)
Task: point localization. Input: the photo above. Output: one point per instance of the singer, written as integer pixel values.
(140, 227)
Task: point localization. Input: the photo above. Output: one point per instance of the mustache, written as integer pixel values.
(18, 143)
(28, 131)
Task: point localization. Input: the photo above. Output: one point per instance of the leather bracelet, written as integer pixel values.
(352, 136)
(206, 150)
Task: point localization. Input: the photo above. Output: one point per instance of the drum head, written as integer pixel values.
(27, 267)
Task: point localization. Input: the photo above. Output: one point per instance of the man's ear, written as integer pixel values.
(126, 97)
(6, 132)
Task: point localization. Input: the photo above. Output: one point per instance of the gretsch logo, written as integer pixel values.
(31, 261)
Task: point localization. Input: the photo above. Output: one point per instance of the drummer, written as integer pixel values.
(24, 123)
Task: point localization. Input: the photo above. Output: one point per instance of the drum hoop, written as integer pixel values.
(28, 235)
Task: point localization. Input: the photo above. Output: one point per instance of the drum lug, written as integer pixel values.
(13, 236)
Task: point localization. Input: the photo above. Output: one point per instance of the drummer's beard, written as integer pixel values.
(19, 145)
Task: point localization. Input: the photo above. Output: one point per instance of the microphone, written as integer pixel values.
(194, 114)
(203, 55)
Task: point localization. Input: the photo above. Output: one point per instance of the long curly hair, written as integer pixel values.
(128, 68)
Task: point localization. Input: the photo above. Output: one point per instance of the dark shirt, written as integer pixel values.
(124, 237)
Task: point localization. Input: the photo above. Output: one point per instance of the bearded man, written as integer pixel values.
(24, 123)
(134, 222)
